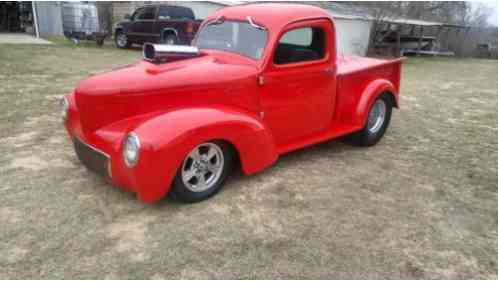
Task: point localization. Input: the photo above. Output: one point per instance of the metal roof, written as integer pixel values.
(412, 22)
(423, 23)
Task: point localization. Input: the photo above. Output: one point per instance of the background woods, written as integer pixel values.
(465, 31)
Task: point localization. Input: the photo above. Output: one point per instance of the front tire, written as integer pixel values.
(121, 40)
(203, 172)
(377, 123)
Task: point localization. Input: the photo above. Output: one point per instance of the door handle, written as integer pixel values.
(329, 70)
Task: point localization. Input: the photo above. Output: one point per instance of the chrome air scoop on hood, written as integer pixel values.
(164, 53)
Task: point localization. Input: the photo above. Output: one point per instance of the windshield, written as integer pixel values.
(233, 36)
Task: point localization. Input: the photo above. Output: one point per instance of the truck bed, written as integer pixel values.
(347, 64)
(353, 75)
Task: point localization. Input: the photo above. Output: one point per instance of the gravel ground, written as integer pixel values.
(420, 204)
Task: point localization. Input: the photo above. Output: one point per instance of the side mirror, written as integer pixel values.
(127, 17)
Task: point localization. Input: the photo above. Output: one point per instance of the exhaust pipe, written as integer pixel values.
(157, 52)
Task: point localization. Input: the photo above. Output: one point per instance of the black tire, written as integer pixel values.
(169, 39)
(120, 44)
(366, 137)
(183, 193)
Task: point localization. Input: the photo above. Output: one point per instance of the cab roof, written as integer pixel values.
(273, 16)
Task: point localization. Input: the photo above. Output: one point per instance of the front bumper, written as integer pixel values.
(101, 151)
(93, 158)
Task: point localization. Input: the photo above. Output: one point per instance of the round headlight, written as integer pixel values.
(64, 108)
(131, 150)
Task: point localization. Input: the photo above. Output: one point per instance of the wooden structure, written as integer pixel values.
(399, 37)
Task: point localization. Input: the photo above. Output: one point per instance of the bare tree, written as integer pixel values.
(104, 9)
(477, 15)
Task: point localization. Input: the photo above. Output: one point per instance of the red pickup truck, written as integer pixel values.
(259, 81)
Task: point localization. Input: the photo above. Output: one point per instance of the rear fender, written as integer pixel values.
(167, 138)
(373, 90)
(168, 30)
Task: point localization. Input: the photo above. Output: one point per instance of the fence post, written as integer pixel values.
(420, 40)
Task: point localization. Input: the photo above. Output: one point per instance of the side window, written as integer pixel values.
(300, 45)
(139, 14)
(175, 13)
(299, 37)
(164, 13)
(149, 14)
(181, 13)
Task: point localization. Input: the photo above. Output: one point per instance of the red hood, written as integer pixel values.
(145, 87)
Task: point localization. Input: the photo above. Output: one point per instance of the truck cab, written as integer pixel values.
(259, 81)
(299, 70)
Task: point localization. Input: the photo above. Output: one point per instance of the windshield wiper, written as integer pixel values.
(251, 22)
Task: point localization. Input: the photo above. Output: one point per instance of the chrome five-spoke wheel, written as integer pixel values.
(376, 116)
(203, 167)
(203, 171)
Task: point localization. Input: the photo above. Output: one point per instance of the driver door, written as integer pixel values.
(298, 94)
(142, 28)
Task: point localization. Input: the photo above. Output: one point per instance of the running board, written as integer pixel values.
(336, 132)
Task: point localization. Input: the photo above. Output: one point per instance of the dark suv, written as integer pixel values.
(165, 24)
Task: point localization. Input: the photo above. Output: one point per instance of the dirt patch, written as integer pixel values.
(12, 255)
(30, 162)
(130, 236)
(9, 215)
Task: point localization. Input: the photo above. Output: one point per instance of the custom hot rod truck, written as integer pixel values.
(259, 80)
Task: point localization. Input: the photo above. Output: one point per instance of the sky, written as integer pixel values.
(494, 17)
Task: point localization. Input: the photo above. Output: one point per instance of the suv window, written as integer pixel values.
(298, 45)
(147, 13)
(139, 14)
(174, 12)
(164, 13)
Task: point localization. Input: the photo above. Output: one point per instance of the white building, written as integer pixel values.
(353, 34)
(202, 9)
(37, 18)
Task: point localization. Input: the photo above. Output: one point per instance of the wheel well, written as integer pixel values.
(235, 152)
(393, 99)
(167, 32)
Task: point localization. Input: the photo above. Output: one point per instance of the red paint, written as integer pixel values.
(175, 106)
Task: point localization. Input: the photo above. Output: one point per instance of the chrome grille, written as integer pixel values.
(93, 159)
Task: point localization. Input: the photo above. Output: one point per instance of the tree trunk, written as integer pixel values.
(104, 10)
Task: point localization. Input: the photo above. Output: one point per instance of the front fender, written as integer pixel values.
(373, 90)
(167, 138)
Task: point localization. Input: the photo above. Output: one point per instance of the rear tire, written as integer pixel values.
(378, 119)
(203, 172)
(169, 39)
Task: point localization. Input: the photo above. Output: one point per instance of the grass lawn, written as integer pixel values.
(423, 203)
